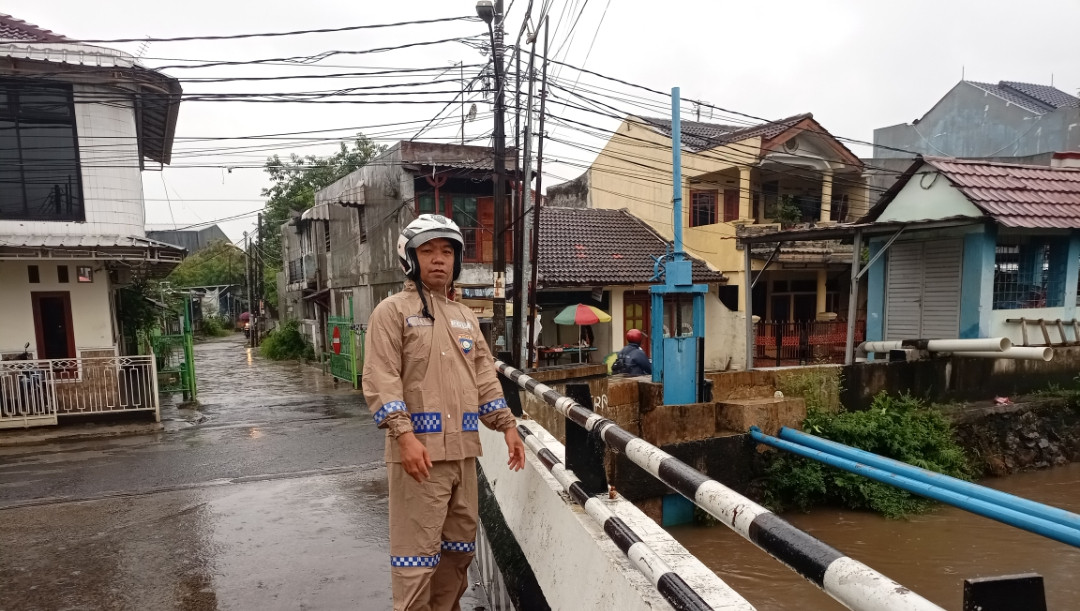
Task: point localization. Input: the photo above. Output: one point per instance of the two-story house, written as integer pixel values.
(737, 179)
(77, 123)
(343, 251)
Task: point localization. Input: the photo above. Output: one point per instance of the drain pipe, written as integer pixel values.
(1039, 526)
(1020, 353)
(987, 344)
(959, 486)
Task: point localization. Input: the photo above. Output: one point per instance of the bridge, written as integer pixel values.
(559, 537)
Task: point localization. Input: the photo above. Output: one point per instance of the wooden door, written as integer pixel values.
(636, 315)
(53, 329)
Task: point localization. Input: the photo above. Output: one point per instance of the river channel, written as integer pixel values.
(930, 553)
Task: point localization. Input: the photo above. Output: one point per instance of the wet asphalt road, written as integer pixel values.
(270, 495)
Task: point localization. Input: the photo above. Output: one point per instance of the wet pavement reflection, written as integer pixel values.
(270, 495)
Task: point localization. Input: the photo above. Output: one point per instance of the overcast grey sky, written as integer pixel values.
(856, 65)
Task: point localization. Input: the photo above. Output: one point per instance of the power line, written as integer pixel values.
(352, 28)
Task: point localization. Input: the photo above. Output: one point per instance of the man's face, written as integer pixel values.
(436, 259)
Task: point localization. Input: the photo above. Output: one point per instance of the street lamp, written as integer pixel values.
(492, 15)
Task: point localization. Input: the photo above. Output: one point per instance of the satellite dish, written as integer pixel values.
(472, 112)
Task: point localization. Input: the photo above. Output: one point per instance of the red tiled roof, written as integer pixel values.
(1013, 195)
(598, 247)
(17, 29)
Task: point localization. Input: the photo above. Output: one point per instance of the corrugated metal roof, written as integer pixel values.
(1025, 196)
(81, 242)
(598, 247)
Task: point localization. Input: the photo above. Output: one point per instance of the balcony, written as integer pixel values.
(813, 251)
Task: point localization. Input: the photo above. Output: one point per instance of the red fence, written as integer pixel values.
(803, 343)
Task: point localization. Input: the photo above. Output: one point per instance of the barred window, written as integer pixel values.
(1025, 275)
(702, 208)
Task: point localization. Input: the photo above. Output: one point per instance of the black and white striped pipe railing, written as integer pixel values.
(668, 583)
(850, 582)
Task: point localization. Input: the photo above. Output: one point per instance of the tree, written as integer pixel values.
(293, 184)
(218, 263)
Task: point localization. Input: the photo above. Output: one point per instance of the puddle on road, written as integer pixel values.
(315, 542)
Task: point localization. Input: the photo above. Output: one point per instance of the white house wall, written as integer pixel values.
(109, 158)
(928, 196)
(1000, 328)
(90, 312)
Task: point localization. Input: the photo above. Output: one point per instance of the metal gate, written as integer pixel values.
(340, 357)
(174, 351)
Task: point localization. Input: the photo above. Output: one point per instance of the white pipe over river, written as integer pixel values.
(989, 344)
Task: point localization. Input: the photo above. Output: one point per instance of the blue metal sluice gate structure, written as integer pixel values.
(677, 359)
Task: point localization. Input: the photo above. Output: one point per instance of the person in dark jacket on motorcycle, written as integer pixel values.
(632, 360)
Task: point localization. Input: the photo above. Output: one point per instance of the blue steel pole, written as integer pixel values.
(676, 171)
(1039, 526)
(1046, 512)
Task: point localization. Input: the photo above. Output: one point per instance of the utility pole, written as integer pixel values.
(247, 272)
(523, 220)
(493, 16)
(534, 259)
(260, 289)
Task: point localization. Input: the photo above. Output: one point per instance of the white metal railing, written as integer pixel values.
(26, 394)
(32, 392)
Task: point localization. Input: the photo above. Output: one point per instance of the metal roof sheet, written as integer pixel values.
(81, 241)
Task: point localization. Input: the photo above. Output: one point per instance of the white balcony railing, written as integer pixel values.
(35, 393)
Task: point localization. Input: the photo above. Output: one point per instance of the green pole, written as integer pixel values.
(352, 344)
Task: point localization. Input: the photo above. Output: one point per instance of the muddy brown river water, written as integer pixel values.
(931, 553)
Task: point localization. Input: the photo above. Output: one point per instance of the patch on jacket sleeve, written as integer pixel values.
(466, 342)
(491, 406)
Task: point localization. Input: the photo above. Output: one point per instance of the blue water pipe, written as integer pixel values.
(1039, 526)
(959, 486)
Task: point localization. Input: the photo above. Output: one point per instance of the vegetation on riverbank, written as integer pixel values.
(286, 343)
(900, 427)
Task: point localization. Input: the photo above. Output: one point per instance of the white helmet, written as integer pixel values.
(425, 228)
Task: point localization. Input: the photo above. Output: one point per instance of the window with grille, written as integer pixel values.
(1025, 275)
(466, 215)
(39, 154)
(702, 208)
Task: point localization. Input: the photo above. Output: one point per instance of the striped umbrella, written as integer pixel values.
(582, 314)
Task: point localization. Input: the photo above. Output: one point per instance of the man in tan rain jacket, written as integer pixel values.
(429, 380)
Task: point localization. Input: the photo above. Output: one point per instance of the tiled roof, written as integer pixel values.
(597, 247)
(700, 136)
(1046, 94)
(1013, 195)
(1038, 99)
(81, 241)
(17, 29)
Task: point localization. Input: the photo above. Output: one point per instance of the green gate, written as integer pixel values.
(174, 351)
(340, 357)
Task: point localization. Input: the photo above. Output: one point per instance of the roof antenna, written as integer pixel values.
(962, 70)
(1051, 79)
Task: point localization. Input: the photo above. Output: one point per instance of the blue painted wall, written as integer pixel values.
(1072, 277)
(977, 283)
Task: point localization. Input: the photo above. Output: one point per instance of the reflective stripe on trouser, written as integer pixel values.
(432, 535)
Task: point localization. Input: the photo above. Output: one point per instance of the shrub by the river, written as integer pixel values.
(287, 343)
(901, 427)
(215, 326)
